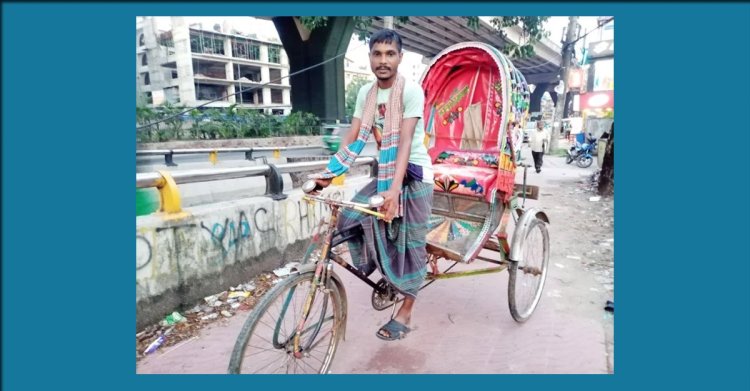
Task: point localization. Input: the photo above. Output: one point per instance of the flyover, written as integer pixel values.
(321, 90)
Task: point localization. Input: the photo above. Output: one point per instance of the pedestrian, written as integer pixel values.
(390, 109)
(539, 143)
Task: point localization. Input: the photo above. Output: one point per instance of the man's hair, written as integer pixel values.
(385, 36)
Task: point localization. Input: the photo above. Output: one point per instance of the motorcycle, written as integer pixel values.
(582, 153)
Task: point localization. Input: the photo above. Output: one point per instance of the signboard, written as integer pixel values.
(602, 49)
(600, 100)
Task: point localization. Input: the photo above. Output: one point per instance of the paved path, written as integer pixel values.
(463, 325)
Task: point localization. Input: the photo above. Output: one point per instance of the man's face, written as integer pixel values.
(384, 60)
(539, 126)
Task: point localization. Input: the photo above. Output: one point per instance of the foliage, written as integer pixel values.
(219, 123)
(351, 95)
(532, 28)
(299, 123)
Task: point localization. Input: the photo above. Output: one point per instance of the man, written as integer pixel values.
(390, 109)
(538, 142)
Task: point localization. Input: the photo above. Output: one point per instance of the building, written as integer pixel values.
(354, 71)
(191, 66)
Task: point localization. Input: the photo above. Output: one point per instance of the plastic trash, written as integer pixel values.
(610, 307)
(210, 317)
(226, 313)
(595, 199)
(239, 294)
(155, 345)
(174, 317)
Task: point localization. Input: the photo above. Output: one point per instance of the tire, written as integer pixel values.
(584, 161)
(527, 275)
(265, 342)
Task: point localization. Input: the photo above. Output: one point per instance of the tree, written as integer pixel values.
(607, 174)
(531, 26)
(351, 94)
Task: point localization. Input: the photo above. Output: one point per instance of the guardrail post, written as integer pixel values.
(249, 154)
(374, 168)
(168, 159)
(275, 184)
(169, 194)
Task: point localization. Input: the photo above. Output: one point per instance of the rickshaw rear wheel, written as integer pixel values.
(528, 273)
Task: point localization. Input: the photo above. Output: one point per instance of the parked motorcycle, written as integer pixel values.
(582, 154)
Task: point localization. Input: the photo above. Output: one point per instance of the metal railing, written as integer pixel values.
(167, 182)
(213, 152)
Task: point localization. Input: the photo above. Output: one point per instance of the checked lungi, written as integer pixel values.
(396, 249)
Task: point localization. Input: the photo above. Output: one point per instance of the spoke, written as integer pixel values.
(311, 367)
(265, 366)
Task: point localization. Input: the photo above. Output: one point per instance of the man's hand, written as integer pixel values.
(390, 204)
(322, 183)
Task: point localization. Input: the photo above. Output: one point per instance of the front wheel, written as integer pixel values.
(528, 273)
(266, 342)
(584, 161)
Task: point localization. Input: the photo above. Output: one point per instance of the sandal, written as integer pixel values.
(395, 329)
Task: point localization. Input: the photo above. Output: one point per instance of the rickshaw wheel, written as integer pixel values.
(381, 301)
(527, 275)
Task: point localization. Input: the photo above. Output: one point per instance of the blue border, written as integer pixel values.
(68, 167)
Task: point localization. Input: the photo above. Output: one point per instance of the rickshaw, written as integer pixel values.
(472, 92)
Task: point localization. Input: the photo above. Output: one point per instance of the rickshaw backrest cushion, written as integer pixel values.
(468, 172)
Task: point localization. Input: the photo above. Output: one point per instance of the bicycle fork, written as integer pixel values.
(321, 276)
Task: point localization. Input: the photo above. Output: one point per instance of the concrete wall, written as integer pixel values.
(178, 262)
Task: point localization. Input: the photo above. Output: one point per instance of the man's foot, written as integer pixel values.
(538, 170)
(393, 330)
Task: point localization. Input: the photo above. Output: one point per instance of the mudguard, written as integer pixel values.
(522, 228)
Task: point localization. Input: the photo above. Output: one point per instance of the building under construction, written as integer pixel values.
(191, 66)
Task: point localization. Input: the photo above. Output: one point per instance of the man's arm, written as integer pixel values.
(390, 206)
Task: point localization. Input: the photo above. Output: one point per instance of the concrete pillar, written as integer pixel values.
(265, 76)
(285, 93)
(318, 90)
(231, 88)
(184, 61)
(535, 101)
(156, 74)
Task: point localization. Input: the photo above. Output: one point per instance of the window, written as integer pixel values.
(141, 40)
(146, 78)
(206, 43)
(174, 74)
(172, 94)
(277, 112)
(274, 54)
(244, 49)
(165, 39)
(277, 96)
(144, 59)
(275, 75)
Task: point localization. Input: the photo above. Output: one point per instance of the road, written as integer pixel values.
(464, 325)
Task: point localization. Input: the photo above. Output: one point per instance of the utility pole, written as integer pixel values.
(388, 22)
(567, 55)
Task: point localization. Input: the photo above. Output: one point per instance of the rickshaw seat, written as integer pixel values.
(470, 173)
(472, 181)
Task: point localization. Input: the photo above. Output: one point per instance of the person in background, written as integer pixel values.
(539, 143)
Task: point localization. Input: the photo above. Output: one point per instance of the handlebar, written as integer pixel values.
(375, 201)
